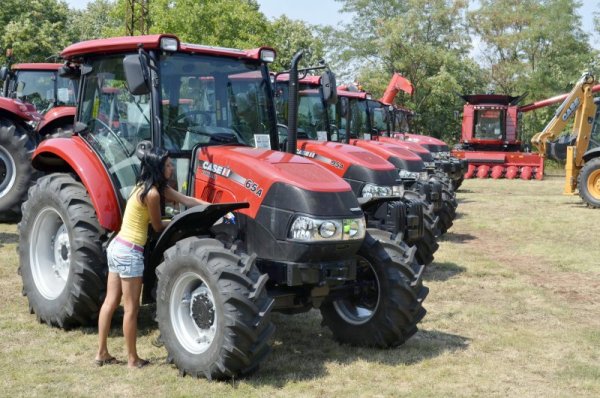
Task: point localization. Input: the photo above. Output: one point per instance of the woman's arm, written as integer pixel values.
(153, 204)
(172, 195)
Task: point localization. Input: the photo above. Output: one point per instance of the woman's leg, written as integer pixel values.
(111, 302)
(132, 288)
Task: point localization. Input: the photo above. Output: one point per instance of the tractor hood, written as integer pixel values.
(258, 176)
(430, 143)
(400, 157)
(411, 146)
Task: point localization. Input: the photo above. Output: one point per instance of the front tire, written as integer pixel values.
(16, 172)
(62, 264)
(384, 310)
(213, 310)
(589, 183)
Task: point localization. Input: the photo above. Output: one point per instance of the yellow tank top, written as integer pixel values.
(134, 228)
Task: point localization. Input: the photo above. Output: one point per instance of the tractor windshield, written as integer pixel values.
(213, 100)
(44, 89)
(489, 124)
(358, 119)
(401, 121)
(312, 116)
(378, 117)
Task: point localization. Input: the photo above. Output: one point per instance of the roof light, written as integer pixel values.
(267, 55)
(169, 44)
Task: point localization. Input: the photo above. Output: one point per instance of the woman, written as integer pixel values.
(126, 251)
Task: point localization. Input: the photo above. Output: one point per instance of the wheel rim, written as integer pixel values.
(50, 253)
(361, 307)
(593, 184)
(7, 171)
(193, 315)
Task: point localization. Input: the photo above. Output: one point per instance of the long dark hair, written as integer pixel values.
(153, 171)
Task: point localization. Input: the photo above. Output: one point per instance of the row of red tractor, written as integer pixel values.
(335, 205)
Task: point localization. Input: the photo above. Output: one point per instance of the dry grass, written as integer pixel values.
(513, 311)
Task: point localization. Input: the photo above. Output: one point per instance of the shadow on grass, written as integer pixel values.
(442, 271)
(462, 201)
(457, 237)
(303, 350)
(462, 190)
(7, 238)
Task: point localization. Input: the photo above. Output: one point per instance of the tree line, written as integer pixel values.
(444, 47)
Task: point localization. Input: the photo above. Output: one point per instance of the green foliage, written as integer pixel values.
(533, 46)
(425, 41)
(289, 36)
(35, 29)
(101, 18)
(226, 23)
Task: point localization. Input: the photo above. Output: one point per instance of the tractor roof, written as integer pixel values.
(491, 99)
(150, 42)
(36, 66)
(312, 80)
(353, 94)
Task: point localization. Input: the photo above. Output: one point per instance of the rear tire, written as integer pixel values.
(62, 264)
(386, 311)
(588, 183)
(16, 172)
(213, 310)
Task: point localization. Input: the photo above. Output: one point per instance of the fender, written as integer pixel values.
(591, 154)
(75, 156)
(22, 110)
(56, 117)
(193, 222)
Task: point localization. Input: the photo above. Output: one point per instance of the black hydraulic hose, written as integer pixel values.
(293, 104)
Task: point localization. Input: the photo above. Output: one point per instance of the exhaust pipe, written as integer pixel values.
(293, 104)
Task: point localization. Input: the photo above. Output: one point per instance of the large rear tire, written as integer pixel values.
(385, 310)
(62, 264)
(16, 172)
(213, 310)
(589, 183)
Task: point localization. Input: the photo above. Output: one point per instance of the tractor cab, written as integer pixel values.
(40, 85)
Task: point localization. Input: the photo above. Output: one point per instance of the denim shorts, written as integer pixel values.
(125, 261)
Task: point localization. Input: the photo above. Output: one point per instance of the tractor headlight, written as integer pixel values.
(310, 229)
(372, 190)
(408, 175)
(397, 190)
(429, 165)
(169, 44)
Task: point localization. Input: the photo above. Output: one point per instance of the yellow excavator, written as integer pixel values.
(582, 161)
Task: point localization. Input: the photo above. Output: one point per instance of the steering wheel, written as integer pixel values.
(184, 115)
(117, 138)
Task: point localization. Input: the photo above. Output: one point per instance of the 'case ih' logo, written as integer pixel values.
(215, 168)
(306, 154)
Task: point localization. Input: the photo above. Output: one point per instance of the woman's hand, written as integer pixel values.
(172, 195)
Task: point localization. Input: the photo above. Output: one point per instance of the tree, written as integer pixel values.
(534, 46)
(226, 23)
(35, 30)
(288, 36)
(425, 41)
(101, 18)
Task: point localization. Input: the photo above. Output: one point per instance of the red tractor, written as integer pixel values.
(398, 213)
(400, 121)
(35, 103)
(362, 121)
(297, 241)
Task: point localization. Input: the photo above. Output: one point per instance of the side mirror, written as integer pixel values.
(136, 75)
(329, 87)
(3, 73)
(69, 72)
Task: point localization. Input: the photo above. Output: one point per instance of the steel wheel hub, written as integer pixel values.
(593, 184)
(50, 253)
(193, 315)
(361, 306)
(7, 171)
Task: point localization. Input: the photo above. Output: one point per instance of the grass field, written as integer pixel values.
(513, 310)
